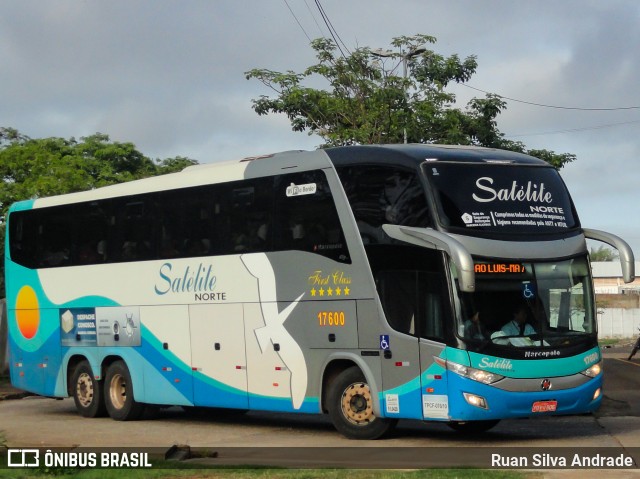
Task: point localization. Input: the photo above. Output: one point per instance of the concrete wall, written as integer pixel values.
(618, 322)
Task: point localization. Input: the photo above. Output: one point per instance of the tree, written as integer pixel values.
(367, 100)
(11, 135)
(175, 164)
(34, 168)
(602, 254)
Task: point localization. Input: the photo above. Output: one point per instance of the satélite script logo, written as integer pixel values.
(495, 363)
(199, 280)
(530, 193)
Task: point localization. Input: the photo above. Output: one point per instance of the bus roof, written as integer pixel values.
(197, 175)
(409, 156)
(412, 155)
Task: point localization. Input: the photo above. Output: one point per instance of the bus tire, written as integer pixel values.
(350, 406)
(473, 427)
(87, 391)
(118, 394)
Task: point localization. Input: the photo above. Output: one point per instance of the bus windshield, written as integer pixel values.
(532, 305)
(500, 199)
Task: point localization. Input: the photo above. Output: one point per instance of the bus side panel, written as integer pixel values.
(435, 397)
(36, 371)
(166, 348)
(288, 376)
(401, 396)
(279, 378)
(369, 332)
(218, 355)
(306, 304)
(34, 343)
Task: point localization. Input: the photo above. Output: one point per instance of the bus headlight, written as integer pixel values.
(593, 371)
(479, 375)
(475, 400)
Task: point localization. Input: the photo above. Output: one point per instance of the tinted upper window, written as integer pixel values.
(306, 215)
(501, 198)
(410, 284)
(384, 195)
(256, 215)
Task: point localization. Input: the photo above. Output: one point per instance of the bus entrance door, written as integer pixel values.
(400, 376)
(435, 399)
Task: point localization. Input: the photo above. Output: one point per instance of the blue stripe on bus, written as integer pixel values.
(536, 368)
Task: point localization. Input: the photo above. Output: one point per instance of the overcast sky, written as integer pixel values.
(168, 76)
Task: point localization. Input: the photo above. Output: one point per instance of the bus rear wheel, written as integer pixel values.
(350, 405)
(87, 392)
(118, 394)
(473, 427)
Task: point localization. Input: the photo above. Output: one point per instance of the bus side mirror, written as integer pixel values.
(627, 260)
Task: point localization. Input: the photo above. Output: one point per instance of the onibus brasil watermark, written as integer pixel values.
(33, 457)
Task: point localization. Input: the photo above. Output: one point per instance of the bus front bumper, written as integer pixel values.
(473, 401)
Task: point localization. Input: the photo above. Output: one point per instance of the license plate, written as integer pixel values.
(544, 406)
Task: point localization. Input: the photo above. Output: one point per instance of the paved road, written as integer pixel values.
(41, 422)
(621, 384)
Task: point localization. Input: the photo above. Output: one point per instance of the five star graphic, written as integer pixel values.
(330, 291)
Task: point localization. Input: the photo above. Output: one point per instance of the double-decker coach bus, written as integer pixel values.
(372, 283)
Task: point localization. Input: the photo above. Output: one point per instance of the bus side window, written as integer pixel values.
(398, 294)
(306, 216)
(187, 222)
(92, 225)
(251, 216)
(430, 305)
(135, 226)
(23, 231)
(409, 283)
(412, 302)
(56, 238)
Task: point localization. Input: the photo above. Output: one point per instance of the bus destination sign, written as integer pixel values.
(499, 268)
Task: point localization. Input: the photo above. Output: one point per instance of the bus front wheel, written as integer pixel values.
(350, 405)
(118, 394)
(87, 392)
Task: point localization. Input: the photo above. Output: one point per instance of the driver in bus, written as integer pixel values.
(518, 326)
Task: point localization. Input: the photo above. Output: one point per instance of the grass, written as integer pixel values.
(264, 474)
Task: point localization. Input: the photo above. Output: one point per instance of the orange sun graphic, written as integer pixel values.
(27, 312)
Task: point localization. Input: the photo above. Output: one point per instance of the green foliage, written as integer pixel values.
(35, 168)
(602, 254)
(173, 165)
(379, 97)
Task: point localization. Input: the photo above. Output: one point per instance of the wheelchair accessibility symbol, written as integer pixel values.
(528, 291)
(384, 342)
